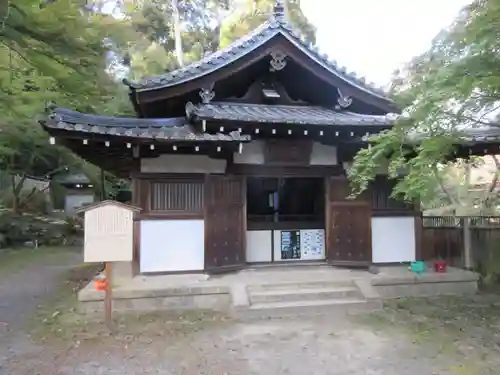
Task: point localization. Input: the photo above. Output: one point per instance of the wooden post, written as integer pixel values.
(103, 186)
(467, 243)
(108, 296)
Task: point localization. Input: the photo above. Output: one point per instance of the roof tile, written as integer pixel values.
(160, 129)
(285, 114)
(241, 47)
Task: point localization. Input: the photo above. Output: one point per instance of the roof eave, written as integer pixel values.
(333, 69)
(273, 29)
(139, 88)
(376, 126)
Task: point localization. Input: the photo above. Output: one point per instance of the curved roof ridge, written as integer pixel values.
(276, 24)
(177, 128)
(285, 114)
(58, 114)
(164, 79)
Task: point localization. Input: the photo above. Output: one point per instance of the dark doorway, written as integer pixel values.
(285, 219)
(282, 202)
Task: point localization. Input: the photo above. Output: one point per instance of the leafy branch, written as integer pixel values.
(453, 85)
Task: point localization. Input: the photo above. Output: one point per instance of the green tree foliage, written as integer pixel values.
(466, 187)
(152, 48)
(49, 51)
(207, 25)
(454, 84)
(255, 12)
(73, 54)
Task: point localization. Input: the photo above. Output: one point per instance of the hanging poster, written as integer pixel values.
(312, 244)
(290, 244)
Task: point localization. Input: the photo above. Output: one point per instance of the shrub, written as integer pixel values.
(17, 229)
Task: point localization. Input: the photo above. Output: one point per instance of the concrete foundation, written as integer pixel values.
(397, 282)
(180, 298)
(122, 273)
(272, 292)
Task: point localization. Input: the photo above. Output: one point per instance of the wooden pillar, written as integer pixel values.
(419, 236)
(103, 185)
(467, 243)
(136, 201)
(328, 247)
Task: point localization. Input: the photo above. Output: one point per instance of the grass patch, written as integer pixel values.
(131, 327)
(58, 321)
(466, 327)
(63, 302)
(16, 260)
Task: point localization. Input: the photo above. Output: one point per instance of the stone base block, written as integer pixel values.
(456, 282)
(188, 298)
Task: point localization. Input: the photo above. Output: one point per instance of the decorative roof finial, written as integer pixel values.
(279, 10)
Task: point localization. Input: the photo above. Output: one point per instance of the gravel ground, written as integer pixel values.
(409, 338)
(306, 346)
(20, 295)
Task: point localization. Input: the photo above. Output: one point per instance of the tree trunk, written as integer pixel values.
(491, 194)
(17, 187)
(177, 33)
(452, 200)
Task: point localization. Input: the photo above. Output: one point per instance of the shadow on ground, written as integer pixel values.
(443, 336)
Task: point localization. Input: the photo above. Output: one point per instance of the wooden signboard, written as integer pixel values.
(108, 237)
(108, 232)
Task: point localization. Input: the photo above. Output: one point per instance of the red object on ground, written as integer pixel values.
(100, 284)
(440, 266)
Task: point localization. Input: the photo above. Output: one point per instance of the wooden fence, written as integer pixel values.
(443, 237)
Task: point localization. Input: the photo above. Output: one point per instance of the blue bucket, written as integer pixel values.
(418, 267)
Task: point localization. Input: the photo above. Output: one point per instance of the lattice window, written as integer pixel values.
(381, 196)
(177, 196)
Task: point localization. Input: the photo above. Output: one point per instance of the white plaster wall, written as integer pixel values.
(323, 154)
(172, 245)
(393, 239)
(259, 246)
(182, 164)
(252, 153)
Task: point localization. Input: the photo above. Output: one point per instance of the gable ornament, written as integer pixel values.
(207, 94)
(278, 61)
(343, 101)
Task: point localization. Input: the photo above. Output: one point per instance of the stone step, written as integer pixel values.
(305, 308)
(290, 295)
(295, 285)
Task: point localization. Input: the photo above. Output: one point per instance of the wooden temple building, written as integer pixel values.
(241, 158)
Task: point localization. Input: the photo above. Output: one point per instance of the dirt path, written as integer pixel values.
(20, 295)
(414, 337)
(296, 347)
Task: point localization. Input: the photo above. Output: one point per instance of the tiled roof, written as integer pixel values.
(468, 135)
(161, 129)
(276, 25)
(483, 134)
(284, 114)
(74, 178)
